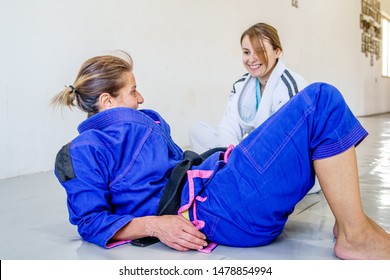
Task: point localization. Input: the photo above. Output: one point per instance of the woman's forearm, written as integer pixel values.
(173, 230)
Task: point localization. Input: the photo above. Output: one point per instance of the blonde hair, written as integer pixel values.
(97, 75)
(257, 34)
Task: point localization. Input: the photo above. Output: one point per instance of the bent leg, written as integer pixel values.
(272, 169)
(358, 237)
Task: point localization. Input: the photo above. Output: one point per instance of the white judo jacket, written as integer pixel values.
(281, 86)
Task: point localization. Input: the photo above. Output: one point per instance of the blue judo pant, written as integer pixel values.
(247, 201)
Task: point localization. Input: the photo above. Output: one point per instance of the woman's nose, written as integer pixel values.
(253, 57)
(140, 98)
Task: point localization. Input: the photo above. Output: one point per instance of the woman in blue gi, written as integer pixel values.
(267, 86)
(116, 170)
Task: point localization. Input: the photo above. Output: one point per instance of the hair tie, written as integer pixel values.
(72, 88)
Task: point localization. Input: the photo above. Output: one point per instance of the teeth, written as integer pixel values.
(254, 66)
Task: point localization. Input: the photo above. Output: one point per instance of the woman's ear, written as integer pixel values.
(105, 101)
(278, 52)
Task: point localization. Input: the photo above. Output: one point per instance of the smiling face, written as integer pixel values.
(128, 95)
(259, 60)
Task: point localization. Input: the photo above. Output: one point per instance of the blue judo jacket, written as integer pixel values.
(116, 170)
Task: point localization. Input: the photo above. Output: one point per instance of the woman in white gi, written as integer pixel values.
(267, 86)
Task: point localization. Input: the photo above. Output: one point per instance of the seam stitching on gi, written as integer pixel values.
(131, 164)
(277, 152)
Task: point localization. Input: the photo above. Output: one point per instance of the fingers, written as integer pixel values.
(194, 241)
(191, 229)
(186, 243)
(182, 235)
(188, 236)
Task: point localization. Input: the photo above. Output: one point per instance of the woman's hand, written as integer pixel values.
(172, 230)
(177, 233)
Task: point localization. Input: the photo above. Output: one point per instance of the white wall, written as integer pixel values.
(187, 55)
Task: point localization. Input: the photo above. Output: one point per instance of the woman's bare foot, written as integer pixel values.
(370, 241)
